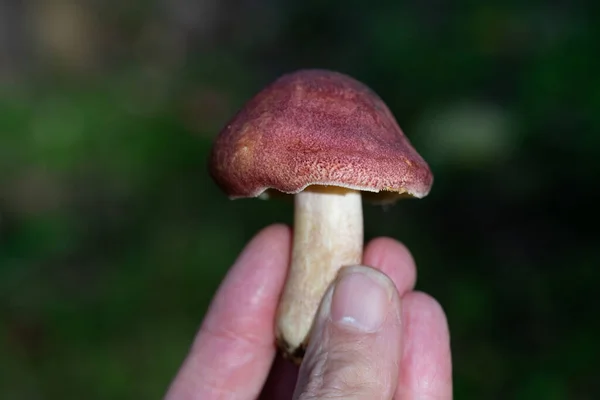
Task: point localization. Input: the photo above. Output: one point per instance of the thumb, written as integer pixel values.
(355, 345)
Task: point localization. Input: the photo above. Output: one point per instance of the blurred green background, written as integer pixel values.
(113, 237)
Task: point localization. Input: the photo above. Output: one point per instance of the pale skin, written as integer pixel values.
(233, 355)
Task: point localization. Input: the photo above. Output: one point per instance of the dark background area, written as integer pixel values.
(113, 237)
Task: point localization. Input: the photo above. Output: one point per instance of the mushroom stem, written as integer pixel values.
(328, 234)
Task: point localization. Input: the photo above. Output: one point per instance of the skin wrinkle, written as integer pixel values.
(339, 377)
(315, 378)
(231, 355)
(233, 333)
(349, 369)
(241, 337)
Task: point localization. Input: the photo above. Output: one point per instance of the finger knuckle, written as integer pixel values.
(344, 374)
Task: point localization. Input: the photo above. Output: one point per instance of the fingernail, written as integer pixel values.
(361, 299)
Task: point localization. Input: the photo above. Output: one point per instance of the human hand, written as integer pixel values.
(373, 338)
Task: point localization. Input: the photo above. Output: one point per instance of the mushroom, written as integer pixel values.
(328, 140)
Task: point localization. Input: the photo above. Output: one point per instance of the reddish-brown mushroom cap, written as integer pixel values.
(316, 127)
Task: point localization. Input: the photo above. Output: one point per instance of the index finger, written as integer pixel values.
(234, 349)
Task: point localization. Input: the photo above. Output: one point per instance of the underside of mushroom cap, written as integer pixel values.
(317, 127)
